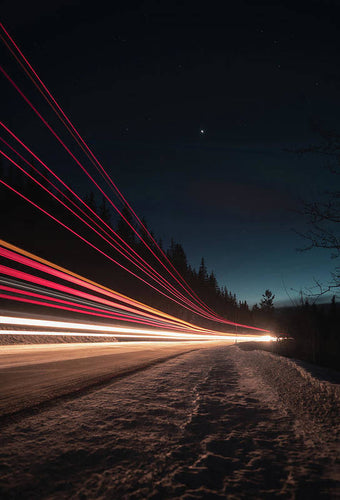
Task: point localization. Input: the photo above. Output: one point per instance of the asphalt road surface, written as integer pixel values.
(31, 375)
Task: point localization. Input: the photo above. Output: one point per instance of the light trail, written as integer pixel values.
(93, 180)
(29, 70)
(191, 293)
(187, 303)
(80, 218)
(188, 338)
(65, 226)
(52, 285)
(113, 260)
(116, 331)
(152, 273)
(23, 259)
(129, 253)
(208, 315)
(45, 300)
(193, 304)
(134, 312)
(88, 310)
(48, 267)
(184, 330)
(16, 286)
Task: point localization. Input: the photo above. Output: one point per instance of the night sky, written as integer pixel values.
(195, 111)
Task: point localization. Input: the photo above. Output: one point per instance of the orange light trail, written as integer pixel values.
(66, 274)
(126, 308)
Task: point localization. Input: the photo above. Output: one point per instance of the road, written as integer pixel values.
(34, 374)
(215, 422)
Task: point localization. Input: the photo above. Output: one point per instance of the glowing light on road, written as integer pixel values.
(9, 320)
(22, 257)
(54, 270)
(95, 330)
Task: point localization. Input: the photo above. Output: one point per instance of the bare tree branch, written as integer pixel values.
(323, 217)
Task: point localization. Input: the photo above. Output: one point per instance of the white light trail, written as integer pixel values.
(114, 331)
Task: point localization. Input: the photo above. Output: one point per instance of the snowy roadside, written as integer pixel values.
(310, 397)
(214, 423)
(10, 339)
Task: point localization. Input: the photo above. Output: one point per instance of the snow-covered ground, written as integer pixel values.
(10, 339)
(215, 423)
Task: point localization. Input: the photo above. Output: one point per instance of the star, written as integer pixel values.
(202, 131)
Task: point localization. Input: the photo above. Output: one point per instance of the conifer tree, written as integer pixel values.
(266, 303)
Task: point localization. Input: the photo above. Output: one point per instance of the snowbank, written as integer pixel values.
(301, 388)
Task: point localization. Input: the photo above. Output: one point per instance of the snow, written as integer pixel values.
(215, 423)
(312, 399)
(15, 339)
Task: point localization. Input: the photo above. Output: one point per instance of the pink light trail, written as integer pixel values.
(197, 306)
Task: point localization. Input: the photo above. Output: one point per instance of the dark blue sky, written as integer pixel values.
(141, 80)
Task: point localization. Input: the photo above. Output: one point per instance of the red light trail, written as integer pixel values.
(122, 308)
(70, 127)
(167, 284)
(21, 256)
(126, 254)
(209, 315)
(89, 176)
(70, 298)
(56, 286)
(29, 70)
(109, 257)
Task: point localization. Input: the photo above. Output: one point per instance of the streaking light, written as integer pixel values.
(96, 330)
(194, 303)
(19, 256)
